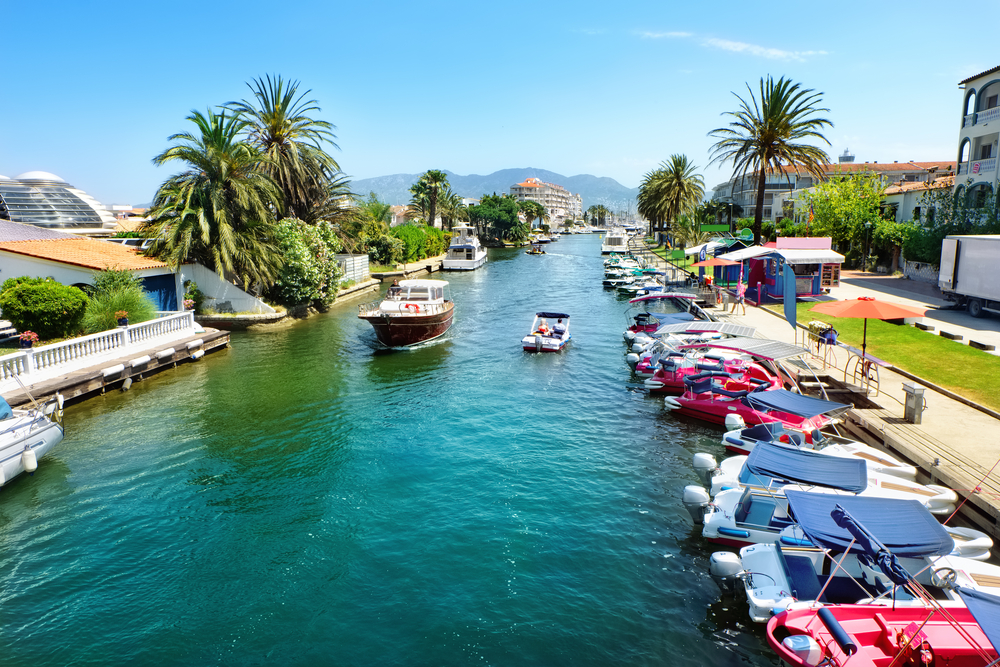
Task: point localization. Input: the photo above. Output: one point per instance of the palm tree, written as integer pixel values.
(532, 211)
(280, 126)
(420, 201)
(452, 208)
(430, 185)
(761, 138)
(670, 190)
(220, 210)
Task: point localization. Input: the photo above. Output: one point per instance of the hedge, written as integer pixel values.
(50, 309)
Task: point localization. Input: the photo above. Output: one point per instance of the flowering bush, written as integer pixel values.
(311, 274)
(29, 335)
(188, 304)
(121, 314)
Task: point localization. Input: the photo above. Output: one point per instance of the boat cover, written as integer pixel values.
(803, 466)
(985, 609)
(701, 326)
(551, 315)
(796, 404)
(5, 411)
(760, 348)
(664, 295)
(672, 318)
(903, 526)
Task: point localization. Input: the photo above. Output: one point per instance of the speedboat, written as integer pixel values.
(828, 565)
(549, 333)
(650, 350)
(28, 435)
(669, 377)
(751, 506)
(742, 441)
(647, 314)
(415, 311)
(535, 249)
(465, 253)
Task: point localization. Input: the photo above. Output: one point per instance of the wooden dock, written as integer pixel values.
(113, 373)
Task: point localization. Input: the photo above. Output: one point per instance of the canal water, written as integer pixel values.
(303, 499)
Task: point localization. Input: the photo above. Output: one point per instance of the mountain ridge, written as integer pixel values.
(593, 190)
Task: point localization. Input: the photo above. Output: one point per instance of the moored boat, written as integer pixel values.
(28, 435)
(414, 311)
(465, 252)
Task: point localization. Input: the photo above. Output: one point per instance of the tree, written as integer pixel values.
(280, 127)
(670, 190)
(961, 211)
(452, 208)
(599, 214)
(532, 211)
(762, 137)
(843, 205)
(496, 216)
(219, 211)
(425, 193)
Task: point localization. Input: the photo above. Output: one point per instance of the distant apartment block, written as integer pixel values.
(557, 200)
(977, 138)
(778, 188)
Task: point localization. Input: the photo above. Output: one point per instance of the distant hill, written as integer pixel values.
(395, 189)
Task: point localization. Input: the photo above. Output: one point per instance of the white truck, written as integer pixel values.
(970, 272)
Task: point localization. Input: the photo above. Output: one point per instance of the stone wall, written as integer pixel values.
(355, 267)
(921, 272)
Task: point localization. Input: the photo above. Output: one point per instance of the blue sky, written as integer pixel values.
(92, 90)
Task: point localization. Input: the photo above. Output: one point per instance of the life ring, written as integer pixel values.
(415, 307)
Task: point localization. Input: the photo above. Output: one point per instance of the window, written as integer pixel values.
(991, 101)
(916, 212)
(985, 152)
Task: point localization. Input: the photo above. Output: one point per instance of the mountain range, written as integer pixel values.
(395, 189)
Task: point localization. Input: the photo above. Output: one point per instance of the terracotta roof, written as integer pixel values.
(844, 167)
(937, 184)
(88, 253)
(989, 71)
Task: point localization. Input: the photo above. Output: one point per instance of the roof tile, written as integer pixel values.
(88, 253)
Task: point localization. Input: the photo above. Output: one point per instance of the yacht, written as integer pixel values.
(465, 252)
(616, 240)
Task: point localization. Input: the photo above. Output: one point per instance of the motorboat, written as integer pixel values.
(616, 240)
(828, 565)
(647, 314)
(465, 253)
(27, 435)
(751, 507)
(669, 377)
(549, 333)
(414, 311)
(647, 353)
(535, 249)
(742, 441)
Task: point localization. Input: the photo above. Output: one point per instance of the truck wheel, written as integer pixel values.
(976, 308)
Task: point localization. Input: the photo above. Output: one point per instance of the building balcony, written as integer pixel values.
(986, 166)
(981, 118)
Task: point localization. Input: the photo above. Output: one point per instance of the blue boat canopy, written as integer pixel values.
(905, 527)
(5, 411)
(551, 315)
(796, 404)
(985, 609)
(802, 466)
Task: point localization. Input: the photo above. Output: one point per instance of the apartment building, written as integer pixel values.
(560, 203)
(978, 135)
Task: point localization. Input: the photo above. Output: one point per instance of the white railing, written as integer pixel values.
(48, 361)
(984, 166)
(969, 120)
(988, 115)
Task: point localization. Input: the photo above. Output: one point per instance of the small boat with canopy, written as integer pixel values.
(549, 332)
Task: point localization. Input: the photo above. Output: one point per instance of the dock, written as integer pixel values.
(113, 373)
(412, 270)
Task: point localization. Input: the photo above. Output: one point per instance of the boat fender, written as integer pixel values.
(837, 631)
(734, 532)
(803, 647)
(28, 460)
(415, 307)
(706, 466)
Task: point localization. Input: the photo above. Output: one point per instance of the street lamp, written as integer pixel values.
(868, 245)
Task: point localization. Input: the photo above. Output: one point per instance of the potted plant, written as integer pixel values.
(122, 317)
(28, 338)
(188, 304)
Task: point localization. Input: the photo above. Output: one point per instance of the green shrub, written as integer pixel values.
(311, 274)
(50, 309)
(192, 292)
(420, 241)
(113, 279)
(21, 280)
(100, 312)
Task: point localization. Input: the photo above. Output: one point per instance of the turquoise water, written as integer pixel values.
(302, 499)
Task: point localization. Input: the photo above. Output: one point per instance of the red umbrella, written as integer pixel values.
(869, 308)
(715, 261)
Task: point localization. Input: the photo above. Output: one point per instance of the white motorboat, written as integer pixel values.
(743, 441)
(28, 435)
(828, 564)
(465, 252)
(616, 240)
(549, 333)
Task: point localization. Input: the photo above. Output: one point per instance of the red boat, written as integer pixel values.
(414, 311)
(669, 377)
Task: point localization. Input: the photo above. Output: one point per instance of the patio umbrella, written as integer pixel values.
(867, 307)
(715, 261)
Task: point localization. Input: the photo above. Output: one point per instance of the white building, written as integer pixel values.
(557, 200)
(44, 200)
(977, 138)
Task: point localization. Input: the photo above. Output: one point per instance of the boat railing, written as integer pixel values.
(42, 363)
(375, 308)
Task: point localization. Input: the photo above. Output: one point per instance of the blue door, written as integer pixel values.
(162, 290)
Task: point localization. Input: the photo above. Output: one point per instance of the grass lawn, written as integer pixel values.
(965, 370)
(682, 263)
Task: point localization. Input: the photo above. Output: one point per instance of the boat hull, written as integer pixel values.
(464, 264)
(395, 330)
(41, 439)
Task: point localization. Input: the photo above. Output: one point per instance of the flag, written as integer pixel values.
(789, 294)
(810, 217)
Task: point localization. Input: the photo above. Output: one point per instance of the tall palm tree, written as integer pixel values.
(219, 211)
(420, 200)
(532, 211)
(280, 125)
(670, 190)
(434, 181)
(452, 208)
(761, 139)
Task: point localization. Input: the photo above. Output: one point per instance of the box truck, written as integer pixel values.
(970, 272)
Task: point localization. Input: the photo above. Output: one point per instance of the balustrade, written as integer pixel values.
(988, 115)
(984, 166)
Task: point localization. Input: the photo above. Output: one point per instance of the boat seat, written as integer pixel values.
(743, 507)
(702, 386)
(803, 581)
(795, 439)
(762, 432)
(709, 367)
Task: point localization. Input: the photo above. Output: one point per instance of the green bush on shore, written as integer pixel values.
(421, 241)
(50, 309)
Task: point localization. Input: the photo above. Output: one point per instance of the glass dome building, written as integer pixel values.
(45, 200)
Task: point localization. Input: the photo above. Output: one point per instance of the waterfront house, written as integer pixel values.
(978, 135)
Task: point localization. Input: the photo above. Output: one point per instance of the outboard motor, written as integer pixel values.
(735, 422)
(726, 570)
(706, 466)
(632, 359)
(696, 499)
(538, 343)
